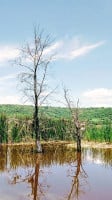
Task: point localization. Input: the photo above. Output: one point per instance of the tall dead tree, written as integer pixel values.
(35, 58)
(78, 127)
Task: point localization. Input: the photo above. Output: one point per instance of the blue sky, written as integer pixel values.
(82, 30)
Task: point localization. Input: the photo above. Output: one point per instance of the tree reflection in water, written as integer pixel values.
(34, 179)
(79, 179)
(30, 175)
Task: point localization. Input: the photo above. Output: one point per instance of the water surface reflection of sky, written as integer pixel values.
(58, 174)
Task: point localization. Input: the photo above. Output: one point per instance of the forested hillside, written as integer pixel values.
(96, 115)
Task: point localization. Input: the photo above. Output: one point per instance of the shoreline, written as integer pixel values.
(70, 144)
(97, 144)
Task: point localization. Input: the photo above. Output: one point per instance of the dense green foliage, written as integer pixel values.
(94, 115)
(17, 110)
(16, 123)
(102, 133)
(3, 128)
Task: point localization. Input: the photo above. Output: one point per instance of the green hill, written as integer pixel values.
(96, 115)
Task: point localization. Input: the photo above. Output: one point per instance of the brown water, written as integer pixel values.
(58, 174)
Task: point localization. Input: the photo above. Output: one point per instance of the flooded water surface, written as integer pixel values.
(60, 173)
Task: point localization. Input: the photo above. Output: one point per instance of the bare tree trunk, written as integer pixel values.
(36, 118)
(0, 139)
(78, 144)
(78, 138)
(37, 131)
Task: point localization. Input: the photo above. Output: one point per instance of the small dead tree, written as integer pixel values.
(78, 127)
(35, 58)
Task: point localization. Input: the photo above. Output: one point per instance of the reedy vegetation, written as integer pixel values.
(16, 124)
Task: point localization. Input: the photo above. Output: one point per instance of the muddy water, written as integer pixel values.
(57, 174)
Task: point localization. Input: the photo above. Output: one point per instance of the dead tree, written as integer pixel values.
(35, 58)
(78, 127)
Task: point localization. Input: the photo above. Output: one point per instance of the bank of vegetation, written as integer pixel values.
(16, 124)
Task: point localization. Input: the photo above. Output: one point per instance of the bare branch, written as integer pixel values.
(68, 101)
(51, 92)
(19, 62)
(43, 79)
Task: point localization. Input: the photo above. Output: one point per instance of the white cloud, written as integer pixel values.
(99, 97)
(8, 85)
(99, 92)
(73, 48)
(13, 99)
(7, 77)
(53, 47)
(7, 53)
(10, 100)
(84, 50)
